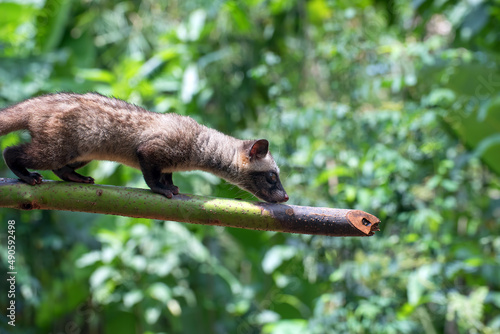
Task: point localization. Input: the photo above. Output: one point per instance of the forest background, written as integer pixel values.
(391, 107)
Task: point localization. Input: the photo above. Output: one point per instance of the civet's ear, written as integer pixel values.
(259, 149)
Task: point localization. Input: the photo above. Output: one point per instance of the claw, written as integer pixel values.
(168, 191)
(32, 179)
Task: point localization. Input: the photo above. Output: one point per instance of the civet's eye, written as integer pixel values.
(272, 177)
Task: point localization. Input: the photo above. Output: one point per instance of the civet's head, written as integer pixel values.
(258, 172)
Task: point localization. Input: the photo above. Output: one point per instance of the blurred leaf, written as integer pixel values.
(467, 310)
(190, 82)
(160, 292)
(132, 297)
(16, 25)
(96, 75)
(152, 315)
(481, 133)
(318, 11)
(101, 275)
(275, 257)
(415, 290)
(294, 326)
(238, 16)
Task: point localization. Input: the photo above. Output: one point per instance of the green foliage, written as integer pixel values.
(388, 107)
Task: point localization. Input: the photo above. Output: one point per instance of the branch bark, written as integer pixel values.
(143, 203)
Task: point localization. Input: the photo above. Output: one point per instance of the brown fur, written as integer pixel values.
(69, 130)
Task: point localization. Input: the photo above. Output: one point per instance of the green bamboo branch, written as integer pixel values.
(143, 203)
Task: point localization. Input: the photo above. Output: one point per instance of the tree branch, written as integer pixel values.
(132, 202)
